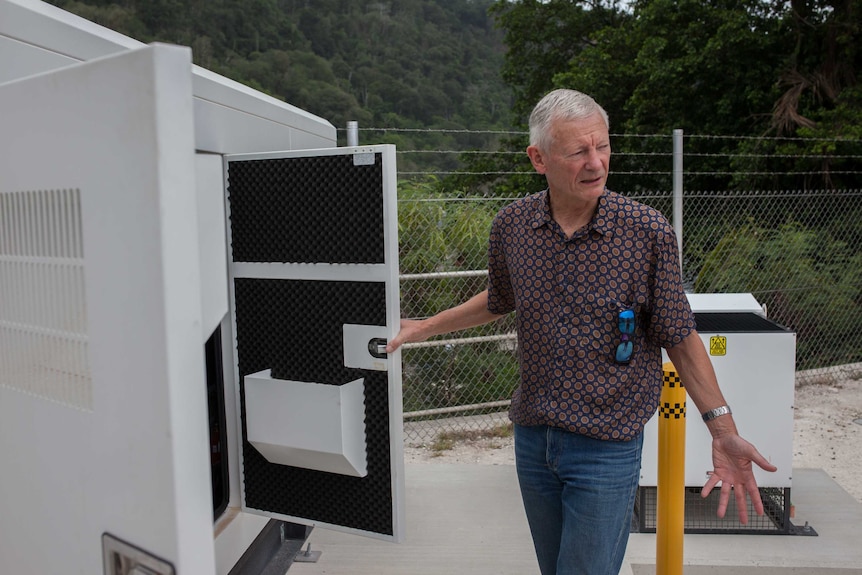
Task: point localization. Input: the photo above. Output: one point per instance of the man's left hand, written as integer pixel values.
(731, 459)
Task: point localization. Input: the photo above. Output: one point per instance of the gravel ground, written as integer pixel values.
(827, 435)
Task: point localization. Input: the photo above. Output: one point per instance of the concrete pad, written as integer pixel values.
(837, 550)
(461, 518)
(468, 518)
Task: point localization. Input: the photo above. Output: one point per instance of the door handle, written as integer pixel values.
(377, 347)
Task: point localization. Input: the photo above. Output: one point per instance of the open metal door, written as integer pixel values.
(314, 297)
(103, 424)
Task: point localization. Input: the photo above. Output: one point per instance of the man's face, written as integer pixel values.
(576, 160)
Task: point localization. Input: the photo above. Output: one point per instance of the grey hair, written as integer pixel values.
(561, 104)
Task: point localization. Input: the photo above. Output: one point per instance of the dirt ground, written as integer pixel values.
(827, 435)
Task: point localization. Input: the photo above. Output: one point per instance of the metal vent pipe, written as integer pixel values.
(352, 133)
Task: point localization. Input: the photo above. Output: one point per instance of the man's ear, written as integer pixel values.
(536, 159)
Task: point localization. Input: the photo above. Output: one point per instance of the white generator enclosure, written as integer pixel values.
(755, 360)
(196, 288)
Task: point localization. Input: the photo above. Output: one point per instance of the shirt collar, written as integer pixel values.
(600, 223)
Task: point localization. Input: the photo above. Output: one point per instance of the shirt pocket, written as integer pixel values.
(600, 325)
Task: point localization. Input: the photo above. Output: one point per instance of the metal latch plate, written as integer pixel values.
(121, 558)
(363, 159)
(365, 347)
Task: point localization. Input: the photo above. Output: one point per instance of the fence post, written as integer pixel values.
(352, 133)
(670, 492)
(677, 189)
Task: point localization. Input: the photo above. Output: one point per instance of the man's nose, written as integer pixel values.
(593, 159)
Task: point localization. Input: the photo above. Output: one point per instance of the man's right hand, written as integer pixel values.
(411, 331)
(471, 313)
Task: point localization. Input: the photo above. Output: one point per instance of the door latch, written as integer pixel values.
(377, 347)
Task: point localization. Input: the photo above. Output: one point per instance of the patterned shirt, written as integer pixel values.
(568, 292)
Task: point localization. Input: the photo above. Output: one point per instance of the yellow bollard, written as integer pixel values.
(670, 492)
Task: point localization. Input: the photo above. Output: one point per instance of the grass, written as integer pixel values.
(449, 439)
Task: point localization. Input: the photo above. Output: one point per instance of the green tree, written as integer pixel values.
(824, 60)
(725, 67)
(819, 278)
(439, 234)
(418, 63)
(543, 38)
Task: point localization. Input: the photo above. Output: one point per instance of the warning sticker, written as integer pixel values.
(718, 345)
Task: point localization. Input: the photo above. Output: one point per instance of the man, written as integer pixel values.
(594, 279)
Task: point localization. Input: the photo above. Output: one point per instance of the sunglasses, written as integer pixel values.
(627, 328)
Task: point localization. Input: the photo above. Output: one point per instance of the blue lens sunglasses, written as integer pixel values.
(627, 329)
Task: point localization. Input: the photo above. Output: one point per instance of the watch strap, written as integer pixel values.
(717, 412)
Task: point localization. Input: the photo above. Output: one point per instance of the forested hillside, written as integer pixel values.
(727, 68)
(398, 63)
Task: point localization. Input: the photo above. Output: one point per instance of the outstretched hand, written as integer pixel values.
(732, 457)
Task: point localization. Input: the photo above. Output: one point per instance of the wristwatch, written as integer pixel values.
(717, 412)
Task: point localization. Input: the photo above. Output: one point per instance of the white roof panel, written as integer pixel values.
(230, 117)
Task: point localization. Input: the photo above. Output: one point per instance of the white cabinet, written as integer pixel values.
(755, 361)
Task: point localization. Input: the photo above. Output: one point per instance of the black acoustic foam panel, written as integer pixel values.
(281, 325)
(306, 210)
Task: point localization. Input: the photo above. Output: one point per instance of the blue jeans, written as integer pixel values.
(578, 493)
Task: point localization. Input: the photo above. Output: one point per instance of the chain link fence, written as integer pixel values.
(795, 249)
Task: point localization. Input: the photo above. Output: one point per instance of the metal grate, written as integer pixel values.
(729, 322)
(701, 517)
